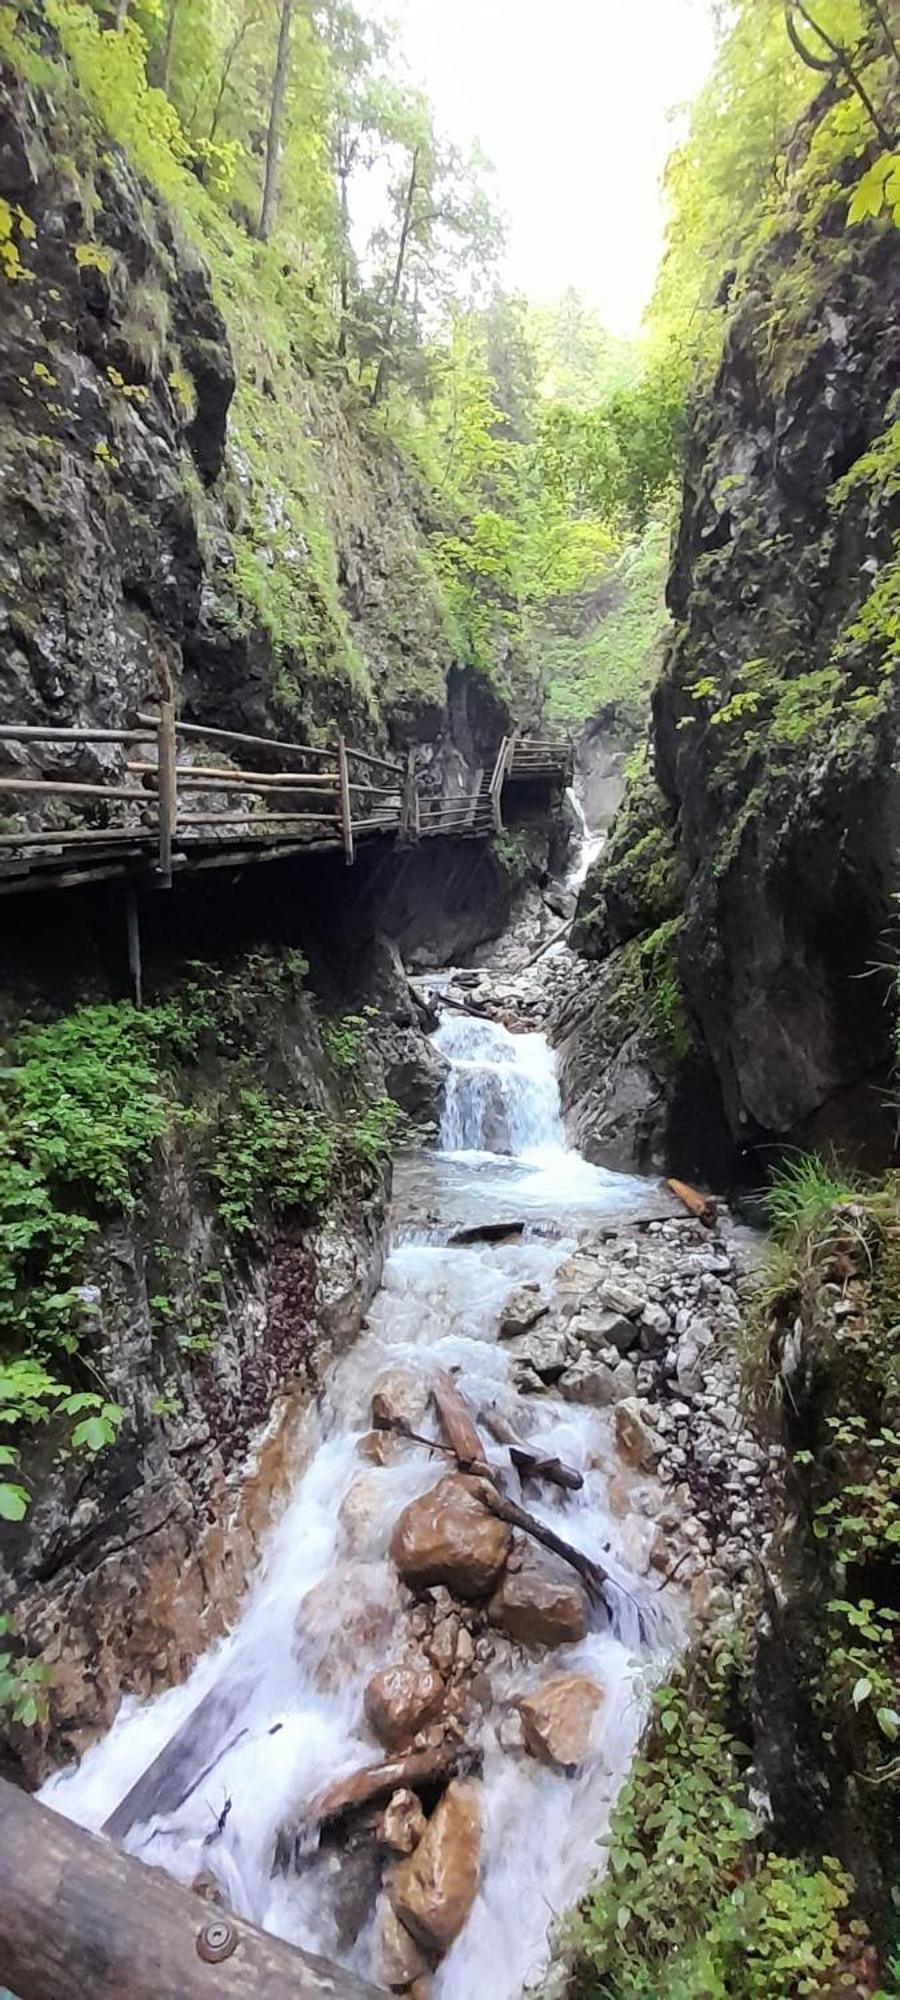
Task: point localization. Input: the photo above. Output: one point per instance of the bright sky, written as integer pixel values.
(573, 102)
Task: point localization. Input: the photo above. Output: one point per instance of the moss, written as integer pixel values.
(637, 884)
(665, 997)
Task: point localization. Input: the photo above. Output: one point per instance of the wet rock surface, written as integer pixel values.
(557, 1719)
(448, 1537)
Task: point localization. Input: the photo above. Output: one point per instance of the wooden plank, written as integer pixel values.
(64, 787)
(71, 836)
(81, 1921)
(214, 777)
(14, 732)
(346, 807)
(238, 736)
(250, 819)
(167, 789)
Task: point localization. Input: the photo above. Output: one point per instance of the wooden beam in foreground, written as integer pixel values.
(81, 1921)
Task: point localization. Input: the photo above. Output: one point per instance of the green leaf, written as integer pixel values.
(888, 1722)
(13, 1502)
(861, 1691)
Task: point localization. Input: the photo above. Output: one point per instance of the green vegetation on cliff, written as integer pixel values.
(95, 1107)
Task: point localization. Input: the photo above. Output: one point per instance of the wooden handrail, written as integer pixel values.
(346, 808)
(79, 1920)
(238, 736)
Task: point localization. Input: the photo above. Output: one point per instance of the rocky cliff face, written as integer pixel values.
(751, 877)
(149, 537)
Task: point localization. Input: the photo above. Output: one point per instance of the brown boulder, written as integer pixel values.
(557, 1718)
(448, 1536)
(433, 1892)
(399, 1396)
(398, 1958)
(540, 1602)
(403, 1822)
(399, 1700)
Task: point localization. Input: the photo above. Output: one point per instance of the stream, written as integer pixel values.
(294, 1670)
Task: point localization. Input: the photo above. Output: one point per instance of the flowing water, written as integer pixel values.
(285, 1689)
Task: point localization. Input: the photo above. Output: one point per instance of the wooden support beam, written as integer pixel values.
(133, 927)
(167, 786)
(346, 807)
(81, 1921)
(63, 787)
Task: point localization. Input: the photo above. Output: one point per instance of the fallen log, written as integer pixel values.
(529, 1466)
(188, 1758)
(79, 1920)
(700, 1205)
(456, 1419)
(415, 1771)
(487, 1232)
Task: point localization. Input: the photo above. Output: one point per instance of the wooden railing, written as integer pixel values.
(184, 794)
(171, 787)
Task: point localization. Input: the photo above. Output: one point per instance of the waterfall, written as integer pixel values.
(589, 844)
(502, 1094)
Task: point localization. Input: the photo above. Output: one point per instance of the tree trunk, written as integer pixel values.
(388, 327)
(273, 135)
(165, 54)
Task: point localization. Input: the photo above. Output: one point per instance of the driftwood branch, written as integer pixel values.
(415, 1771)
(592, 1575)
(529, 1466)
(183, 1763)
(456, 1419)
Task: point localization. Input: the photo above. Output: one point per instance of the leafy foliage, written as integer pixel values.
(271, 1152)
(691, 1907)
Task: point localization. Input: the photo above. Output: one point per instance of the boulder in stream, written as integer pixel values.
(557, 1718)
(399, 1396)
(433, 1892)
(540, 1601)
(522, 1310)
(400, 1699)
(398, 1958)
(448, 1536)
(637, 1443)
(352, 1612)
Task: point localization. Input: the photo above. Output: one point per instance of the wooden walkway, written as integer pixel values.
(167, 796)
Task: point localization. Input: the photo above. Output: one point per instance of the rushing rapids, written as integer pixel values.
(276, 1713)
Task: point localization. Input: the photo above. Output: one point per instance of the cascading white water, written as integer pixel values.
(501, 1094)
(589, 844)
(291, 1677)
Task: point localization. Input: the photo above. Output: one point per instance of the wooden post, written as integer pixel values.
(167, 789)
(81, 1921)
(346, 808)
(133, 923)
(409, 817)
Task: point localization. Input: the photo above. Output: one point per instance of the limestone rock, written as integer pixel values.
(588, 1382)
(557, 1718)
(448, 1536)
(399, 1700)
(399, 1395)
(433, 1892)
(601, 1329)
(522, 1310)
(543, 1350)
(540, 1602)
(403, 1822)
(634, 1437)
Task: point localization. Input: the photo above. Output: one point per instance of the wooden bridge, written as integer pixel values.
(163, 796)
